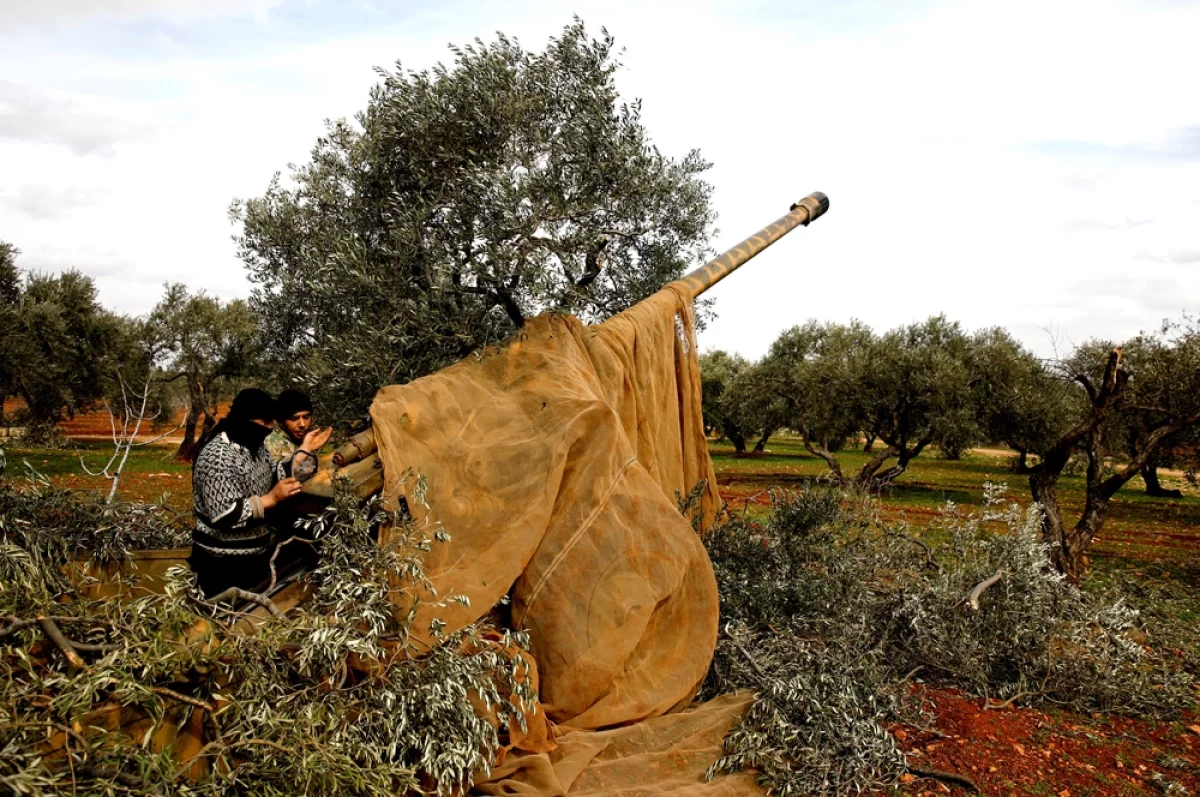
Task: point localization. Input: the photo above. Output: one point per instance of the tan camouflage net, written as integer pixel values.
(555, 463)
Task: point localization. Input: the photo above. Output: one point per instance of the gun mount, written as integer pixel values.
(356, 459)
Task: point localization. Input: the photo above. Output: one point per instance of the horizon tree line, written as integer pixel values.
(1109, 411)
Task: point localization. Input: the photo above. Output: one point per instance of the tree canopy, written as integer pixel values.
(910, 388)
(463, 199)
(206, 345)
(818, 370)
(58, 343)
(738, 400)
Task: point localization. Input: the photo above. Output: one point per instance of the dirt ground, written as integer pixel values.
(1022, 751)
(98, 425)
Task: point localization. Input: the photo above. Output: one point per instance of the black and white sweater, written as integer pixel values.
(228, 482)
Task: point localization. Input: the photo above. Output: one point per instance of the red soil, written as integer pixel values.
(1025, 751)
(96, 425)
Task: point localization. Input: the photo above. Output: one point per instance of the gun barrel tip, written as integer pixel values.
(815, 203)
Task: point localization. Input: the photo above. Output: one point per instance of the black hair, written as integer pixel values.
(239, 425)
(253, 404)
(290, 402)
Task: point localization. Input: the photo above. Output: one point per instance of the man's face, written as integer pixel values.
(297, 426)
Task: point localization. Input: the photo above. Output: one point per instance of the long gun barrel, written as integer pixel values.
(800, 214)
(357, 458)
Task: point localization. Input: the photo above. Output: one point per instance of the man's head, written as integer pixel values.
(294, 413)
(255, 405)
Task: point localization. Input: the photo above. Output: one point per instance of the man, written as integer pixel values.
(295, 439)
(236, 489)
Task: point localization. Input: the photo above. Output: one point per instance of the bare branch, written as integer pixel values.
(1087, 385)
(594, 264)
(1148, 449)
(17, 624)
(988, 704)
(55, 635)
(246, 595)
(87, 647)
(980, 588)
(279, 548)
(191, 701)
(162, 436)
(947, 777)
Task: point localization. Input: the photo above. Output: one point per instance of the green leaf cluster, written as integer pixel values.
(461, 200)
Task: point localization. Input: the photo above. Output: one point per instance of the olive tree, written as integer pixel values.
(922, 385)
(205, 345)
(1146, 357)
(739, 400)
(717, 371)
(917, 391)
(10, 296)
(755, 405)
(461, 200)
(1115, 406)
(818, 371)
(56, 342)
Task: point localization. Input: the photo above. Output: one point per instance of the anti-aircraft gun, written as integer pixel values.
(558, 489)
(357, 460)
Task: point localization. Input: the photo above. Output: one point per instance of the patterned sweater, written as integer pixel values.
(228, 482)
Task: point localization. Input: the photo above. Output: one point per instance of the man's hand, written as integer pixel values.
(316, 438)
(282, 491)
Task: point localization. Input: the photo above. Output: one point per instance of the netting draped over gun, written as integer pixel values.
(357, 459)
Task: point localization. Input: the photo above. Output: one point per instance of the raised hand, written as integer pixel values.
(316, 438)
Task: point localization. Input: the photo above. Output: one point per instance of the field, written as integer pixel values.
(1153, 544)
(1138, 527)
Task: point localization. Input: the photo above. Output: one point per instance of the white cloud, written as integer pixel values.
(76, 12)
(29, 116)
(42, 202)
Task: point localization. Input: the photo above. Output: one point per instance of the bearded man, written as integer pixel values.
(296, 439)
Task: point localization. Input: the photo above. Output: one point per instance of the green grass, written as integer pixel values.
(150, 474)
(929, 482)
(65, 462)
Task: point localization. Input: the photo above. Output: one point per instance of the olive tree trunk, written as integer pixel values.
(1071, 544)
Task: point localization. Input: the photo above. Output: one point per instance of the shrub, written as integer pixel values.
(827, 611)
(332, 695)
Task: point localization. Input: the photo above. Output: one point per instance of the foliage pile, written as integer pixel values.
(62, 524)
(827, 612)
(330, 698)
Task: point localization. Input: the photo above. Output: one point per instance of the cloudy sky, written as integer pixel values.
(1034, 165)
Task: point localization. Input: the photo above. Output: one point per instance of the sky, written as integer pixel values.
(1032, 165)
